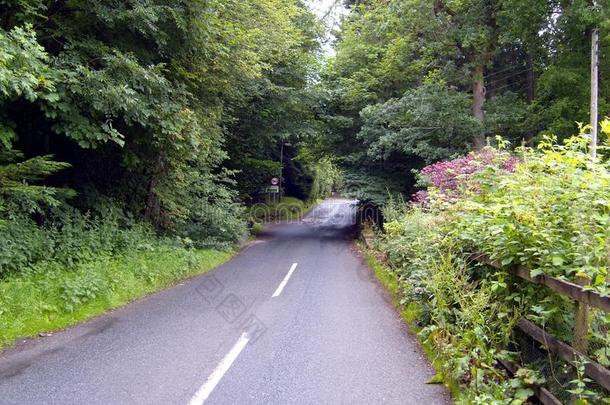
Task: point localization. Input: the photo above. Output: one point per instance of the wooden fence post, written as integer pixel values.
(581, 321)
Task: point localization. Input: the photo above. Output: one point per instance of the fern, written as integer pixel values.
(18, 194)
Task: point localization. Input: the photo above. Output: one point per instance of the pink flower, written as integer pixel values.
(449, 175)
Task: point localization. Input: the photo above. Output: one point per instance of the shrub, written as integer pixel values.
(547, 209)
(552, 214)
(287, 209)
(67, 238)
(452, 177)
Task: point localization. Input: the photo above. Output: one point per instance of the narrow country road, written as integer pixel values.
(295, 318)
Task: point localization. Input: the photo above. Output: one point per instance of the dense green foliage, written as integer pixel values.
(131, 133)
(415, 81)
(136, 135)
(157, 105)
(53, 296)
(326, 175)
(73, 239)
(550, 214)
(284, 209)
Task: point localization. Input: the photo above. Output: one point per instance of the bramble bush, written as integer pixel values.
(547, 209)
(551, 214)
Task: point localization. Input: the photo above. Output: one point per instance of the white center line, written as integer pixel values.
(284, 281)
(206, 389)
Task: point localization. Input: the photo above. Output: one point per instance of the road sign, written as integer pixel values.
(274, 189)
(275, 181)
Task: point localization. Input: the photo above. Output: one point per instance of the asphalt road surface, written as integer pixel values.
(295, 318)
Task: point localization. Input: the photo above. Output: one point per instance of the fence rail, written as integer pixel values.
(572, 290)
(585, 298)
(544, 395)
(566, 352)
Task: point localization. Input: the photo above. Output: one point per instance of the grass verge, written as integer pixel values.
(409, 312)
(288, 209)
(51, 298)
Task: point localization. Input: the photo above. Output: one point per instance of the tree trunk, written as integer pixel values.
(152, 209)
(46, 147)
(478, 100)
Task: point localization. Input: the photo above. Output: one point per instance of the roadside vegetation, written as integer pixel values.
(132, 136)
(51, 296)
(138, 140)
(546, 209)
(286, 209)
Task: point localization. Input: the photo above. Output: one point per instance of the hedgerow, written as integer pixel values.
(547, 209)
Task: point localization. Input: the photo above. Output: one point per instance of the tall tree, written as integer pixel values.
(138, 95)
(520, 63)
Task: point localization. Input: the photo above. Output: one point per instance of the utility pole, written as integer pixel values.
(594, 88)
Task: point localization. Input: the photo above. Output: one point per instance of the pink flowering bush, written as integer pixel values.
(449, 177)
(548, 211)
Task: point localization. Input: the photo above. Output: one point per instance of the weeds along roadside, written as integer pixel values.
(546, 210)
(55, 277)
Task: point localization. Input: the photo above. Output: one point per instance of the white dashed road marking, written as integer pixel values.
(284, 281)
(206, 389)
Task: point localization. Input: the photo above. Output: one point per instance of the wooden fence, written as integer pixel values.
(585, 298)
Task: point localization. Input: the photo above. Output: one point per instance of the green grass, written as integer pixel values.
(256, 228)
(53, 298)
(385, 276)
(410, 314)
(288, 209)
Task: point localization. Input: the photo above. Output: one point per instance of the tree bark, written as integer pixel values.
(152, 210)
(478, 100)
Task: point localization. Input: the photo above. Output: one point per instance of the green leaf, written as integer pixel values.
(557, 260)
(436, 379)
